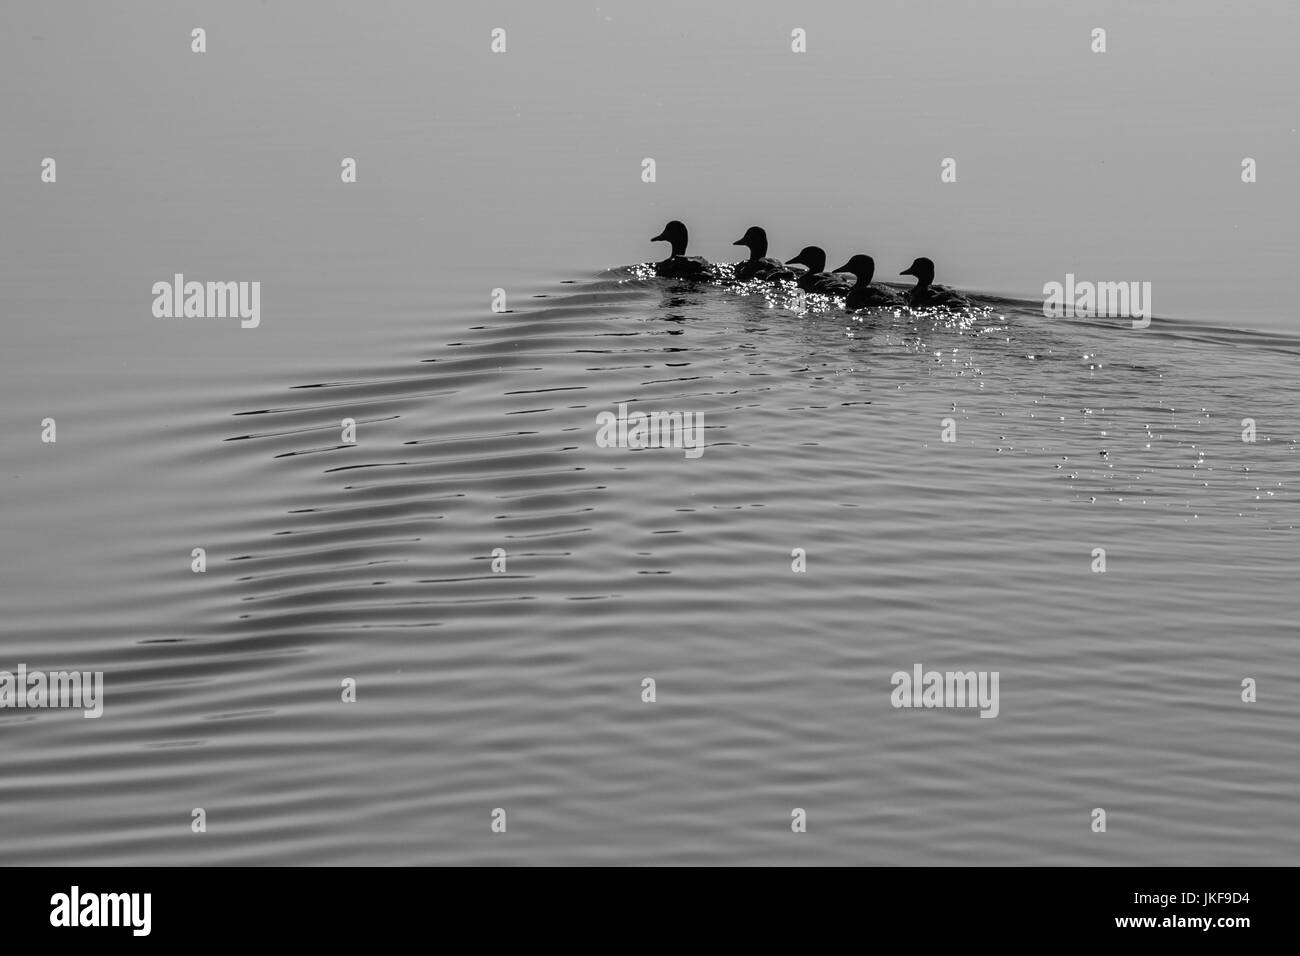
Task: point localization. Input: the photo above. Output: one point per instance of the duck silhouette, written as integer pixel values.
(679, 265)
(759, 265)
(817, 279)
(926, 293)
(864, 295)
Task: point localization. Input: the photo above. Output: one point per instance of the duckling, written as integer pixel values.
(864, 295)
(759, 265)
(679, 265)
(925, 293)
(817, 279)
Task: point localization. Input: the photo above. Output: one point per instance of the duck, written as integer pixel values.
(817, 279)
(864, 295)
(925, 293)
(679, 265)
(759, 265)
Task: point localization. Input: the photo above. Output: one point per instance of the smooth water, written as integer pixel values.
(476, 431)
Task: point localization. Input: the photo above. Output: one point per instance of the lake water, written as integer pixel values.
(476, 431)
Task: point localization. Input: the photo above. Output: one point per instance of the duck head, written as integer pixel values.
(755, 238)
(674, 233)
(814, 257)
(923, 269)
(864, 267)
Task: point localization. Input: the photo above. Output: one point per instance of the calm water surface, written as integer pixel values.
(522, 689)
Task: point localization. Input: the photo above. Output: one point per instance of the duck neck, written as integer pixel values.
(757, 249)
(816, 263)
(679, 246)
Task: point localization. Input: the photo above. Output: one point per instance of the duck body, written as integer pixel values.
(831, 283)
(764, 268)
(864, 295)
(684, 267)
(679, 265)
(868, 296)
(759, 265)
(938, 295)
(925, 294)
(786, 272)
(817, 279)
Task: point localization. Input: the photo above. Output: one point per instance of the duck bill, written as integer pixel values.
(740, 242)
(843, 268)
(907, 272)
(659, 238)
